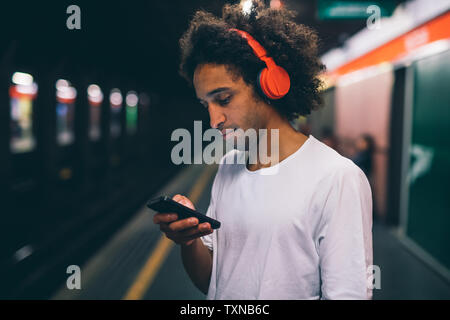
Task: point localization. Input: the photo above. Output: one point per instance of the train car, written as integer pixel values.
(116, 138)
(95, 141)
(23, 161)
(131, 134)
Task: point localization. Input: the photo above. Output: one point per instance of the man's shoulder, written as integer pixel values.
(330, 162)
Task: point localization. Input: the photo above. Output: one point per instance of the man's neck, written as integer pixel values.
(289, 141)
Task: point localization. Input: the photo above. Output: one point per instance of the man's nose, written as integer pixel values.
(216, 116)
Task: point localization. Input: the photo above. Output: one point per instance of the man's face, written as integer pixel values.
(231, 103)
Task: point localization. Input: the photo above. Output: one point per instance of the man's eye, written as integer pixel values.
(224, 102)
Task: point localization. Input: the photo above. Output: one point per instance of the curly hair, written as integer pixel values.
(293, 46)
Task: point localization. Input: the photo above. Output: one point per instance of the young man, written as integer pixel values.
(301, 232)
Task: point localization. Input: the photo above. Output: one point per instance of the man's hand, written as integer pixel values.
(185, 231)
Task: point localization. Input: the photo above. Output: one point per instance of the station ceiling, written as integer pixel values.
(133, 39)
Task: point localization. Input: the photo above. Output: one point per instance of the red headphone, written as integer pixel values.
(273, 80)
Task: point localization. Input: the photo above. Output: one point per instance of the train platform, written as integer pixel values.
(139, 262)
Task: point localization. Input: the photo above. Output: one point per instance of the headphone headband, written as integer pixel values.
(258, 49)
(273, 80)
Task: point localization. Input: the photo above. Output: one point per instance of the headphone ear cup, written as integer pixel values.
(274, 82)
(258, 81)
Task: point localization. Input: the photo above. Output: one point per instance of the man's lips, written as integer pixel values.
(228, 131)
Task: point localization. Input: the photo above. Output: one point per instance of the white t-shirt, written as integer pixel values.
(304, 232)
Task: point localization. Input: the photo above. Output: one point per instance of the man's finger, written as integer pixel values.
(184, 201)
(204, 227)
(198, 235)
(164, 217)
(177, 197)
(180, 240)
(183, 224)
(164, 227)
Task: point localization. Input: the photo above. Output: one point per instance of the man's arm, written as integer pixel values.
(345, 240)
(197, 260)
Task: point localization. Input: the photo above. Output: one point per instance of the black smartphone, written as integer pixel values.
(165, 204)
